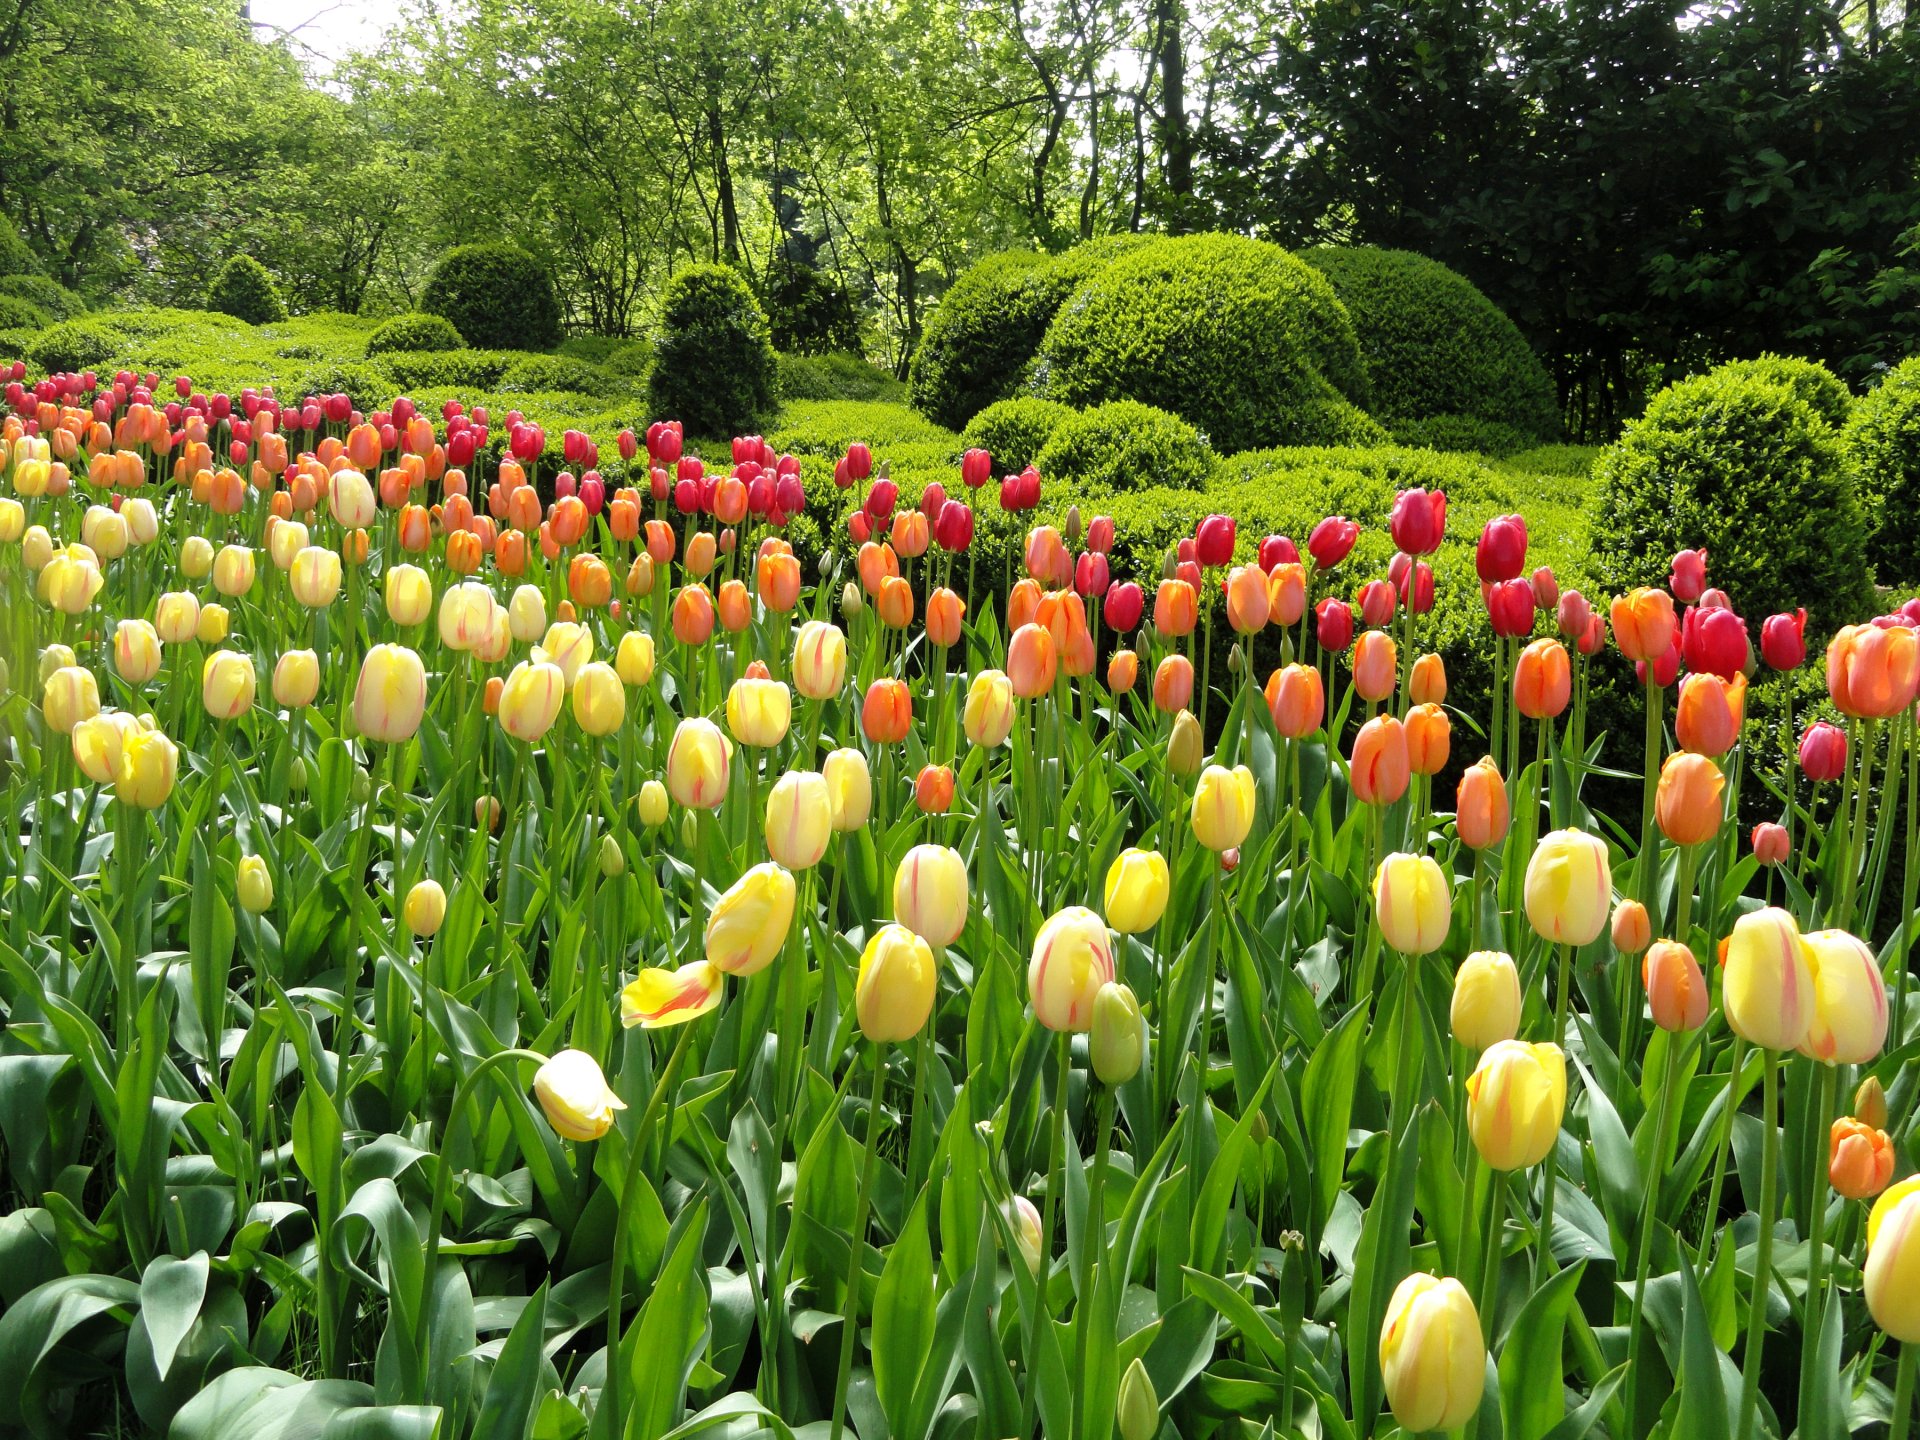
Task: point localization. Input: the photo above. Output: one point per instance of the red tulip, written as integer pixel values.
(976, 468)
(954, 529)
(1546, 590)
(1823, 751)
(1213, 541)
(859, 460)
(1333, 624)
(1277, 550)
(1502, 551)
(1689, 577)
(1510, 608)
(1783, 640)
(1665, 669)
(1419, 521)
(1125, 603)
(1376, 602)
(1714, 641)
(1090, 574)
(1332, 541)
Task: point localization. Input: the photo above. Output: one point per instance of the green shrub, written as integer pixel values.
(244, 290)
(1744, 466)
(1239, 337)
(465, 370)
(629, 357)
(836, 376)
(77, 345)
(1824, 392)
(987, 328)
(1882, 447)
(59, 302)
(366, 381)
(19, 314)
(714, 368)
(1015, 431)
(14, 343)
(1575, 461)
(497, 296)
(16, 256)
(1124, 445)
(534, 374)
(1437, 349)
(825, 428)
(808, 312)
(415, 330)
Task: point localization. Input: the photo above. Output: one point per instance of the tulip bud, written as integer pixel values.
(1849, 1020)
(1186, 747)
(1380, 765)
(1893, 1262)
(633, 660)
(1136, 892)
(1569, 887)
(933, 789)
(1676, 990)
(176, 617)
(1427, 683)
(409, 595)
(1072, 959)
(1139, 1408)
(849, 789)
(988, 715)
(1429, 739)
(233, 570)
(1116, 1044)
(253, 886)
(574, 1094)
(1026, 1225)
(851, 602)
(1632, 928)
(226, 684)
(390, 697)
(1771, 843)
(1823, 751)
(1223, 807)
(894, 990)
(1688, 802)
(136, 651)
(1516, 1098)
(1432, 1358)
(1412, 903)
(599, 701)
(799, 819)
(930, 894)
(748, 924)
(1870, 1102)
(1486, 1000)
(1859, 1158)
(425, 909)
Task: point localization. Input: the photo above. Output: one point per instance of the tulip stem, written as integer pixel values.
(1763, 1259)
(1550, 1175)
(1909, 891)
(124, 980)
(1816, 1226)
(1093, 1236)
(851, 1321)
(1643, 1242)
(1709, 1225)
(1903, 1391)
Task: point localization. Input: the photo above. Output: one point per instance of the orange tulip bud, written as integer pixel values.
(1380, 766)
(1542, 680)
(1429, 739)
(1676, 990)
(1427, 682)
(777, 577)
(1375, 665)
(886, 713)
(933, 789)
(1632, 929)
(946, 616)
(1481, 811)
(1297, 700)
(1023, 604)
(893, 603)
(589, 581)
(1031, 661)
(1859, 1159)
(1688, 803)
(1173, 684)
(877, 563)
(1708, 719)
(1286, 594)
(1247, 603)
(700, 554)
(693, 615)
(1175, 608)
(735, 607)
(1123, 671)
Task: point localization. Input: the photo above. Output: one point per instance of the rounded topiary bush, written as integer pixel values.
(1825, 392)
(244, 290)
(1434, 345)
(54, 298)
(497, 296)
(1125, 445)
(714, 368)
(1015, 431)
(415, 330)
(1743, 466)
(19, 314)
(1244, 340)
(77, 345)
(1882, 447)
(980, 338)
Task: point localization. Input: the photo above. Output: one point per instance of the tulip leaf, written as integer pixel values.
(1533, 1401)
(1703, 1392)
(171, 1293)
(1380, 1262)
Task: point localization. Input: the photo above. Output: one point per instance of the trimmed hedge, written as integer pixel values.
(76, 345)
(19, 314)
(1246, 342)
(836, 375)
(368, 383)
(617, 356)
(1825, 392)
(1124, 445)
(244, 290)
(497, 296)
(1744, 466)
(714, 368)
(54, 298)
(824, 428)
(536, 374)
(1437, 349)
(1015, 431)
(415, 330)
(449, 369)
(1882, 446)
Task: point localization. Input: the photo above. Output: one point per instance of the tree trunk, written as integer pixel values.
(1176, 138)
(723, 183)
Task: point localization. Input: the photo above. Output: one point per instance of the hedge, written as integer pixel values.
(415, 330)
(836, 375)
(55, 299)
(535, 374)
(1015, 431)
(1824, 392)
(244, 290)
(19, 314)
(497, 296)
(714, 368)
(1246, 342)
(1881, 443)
(76, 345)
(1125, 445)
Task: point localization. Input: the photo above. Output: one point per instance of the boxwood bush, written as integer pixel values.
(714, 368)
(497, 296)
(244, 290)
(1743, 465)
(76, 345)
(1826, 393)
(825, 428)
(20, 314)
(1436, 348)
(1246, 342)
(1015, 431)
(449, 369)
(368, 382)
(1125, 445)
(1882, 447)
(50, 296)
(533, 374)
(836, 375)
(415, 330)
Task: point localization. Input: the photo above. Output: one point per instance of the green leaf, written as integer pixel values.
(1703, 1395)
(1533, 1398)
(31, 1331)
(1326, 1097)
(672, 1331)
(171, 1293)
(903, 1316)
(517, 1382)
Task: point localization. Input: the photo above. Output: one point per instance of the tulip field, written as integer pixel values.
(488, 952)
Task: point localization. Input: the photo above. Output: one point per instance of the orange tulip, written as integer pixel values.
(777, 577)
(1481, 812)
(1247, 603)
(701, 553)
(1031, 661)
(1643, 623)
(1859, 1159)
(933, 789)
(1708, 719)
(1632, 927)
(1023, 603)
(1173, 684)
(1375, 665)
(735, 607)
(910, 534)
(1542, 680)
(363, 446)
(623, 519)
(1176, 609)
(887, 712)
(1676, 990)
(589, 581)
(640, 575)
(1688, 802)
(1123, 671)
(1429, 739)
(1873, 671)
(894, 602)
(1380, 766)
(416, 530)
(946, 616)
(1297, 700)
(569, 520)
(510, 553)
(463, 552)
(660, 541)
(523, 507)
(1427, 681)
(692, 615)
(877, 562)
(1046, 554)
(1286, 594)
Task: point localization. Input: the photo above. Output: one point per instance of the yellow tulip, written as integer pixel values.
(1136, 890)
(655, 999)
(758, 712)
(350, 497)
(13, 520)
(1117, 1042)
(425, 909)
(530, 700)
(149, 762)
(136, 651)
(1767, 985)
(226, 684)
(466, 614)
(70, 579)
(799, 819)
(253, 886)
(988, 714)
(391, 696)
(1486, 1000)
(315, 577)
(573, 1092)
(409, 595)
(496, 640)
(1516, 1098)
(570, 646)
(1223, 807)
(296, 679)
(633, 661)
(196, 557)
(143, 521)
(286, 539)
(176, 617)
(599, 700)
(527, 614)
(36, 548)
(97, 744)
(1413, 902)
(211, 627)
(233, 570)
(849, 788)
(894, 990)
(104, 532)
(1186, 746)
(930, 893)
(1569, 887)
(749, 923)
(55, 657)
(651, 804)
(1849, 1024)
(819, 660)
(697, 764)
(1432, 1359)
(69, 696)
(1893, 1261)
(1072, 958)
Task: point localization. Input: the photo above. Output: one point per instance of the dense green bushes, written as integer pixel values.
(714, 368)
(244, 290)
(1464, 432)
(58, 302)
(76, 345)
(367, 381)
(415, 330)
(1437, 349)
(532, 374)
(1882, 446)
(497, 296)
(16, 256)
(1743, 465)
(448, 369)
(1244, 341)
(19, 314)
(1015, 431)
(1825, 393)
(1124, 445)
(836, 375)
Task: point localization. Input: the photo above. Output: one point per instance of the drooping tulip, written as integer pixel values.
(657, 998)
(749, 922)
(574, 1094)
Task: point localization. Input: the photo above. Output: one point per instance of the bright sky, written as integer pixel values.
(324, 30)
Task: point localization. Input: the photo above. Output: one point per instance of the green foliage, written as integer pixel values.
(16, 256)
(19, 314)
(1463, 432)
(826, 428)
(1248, 343)
(77, 344)
(808, 312)
(836, 376)
(533, 374)
(1744, 466)
(1573, 461)
(244, 290)
(1124, 445)
(1436, 349)
(1015, 431)
(49, 295)
(714, 368)
(632, 358)
(496, 295)
(449, 369)
(415, 330)
(1882, 447)
(1824, 392)
(367, 381)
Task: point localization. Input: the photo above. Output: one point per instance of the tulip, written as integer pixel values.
(1873, 672)
(233, 570)
(1569, 887)
(1333, 624)
(749, 923)
(930, 894)
(655, 998)
(1542, 680)
(1418, 521)
(819, 660)
(36, 551)
(70, 580)
(1710, 712)
(1375, 602)
(1117, 1039)
(176, 617)
(1427, 682)
(599, 702)
(1331, 540)
(253, 886)
(1481, 810)
(633, 660)
(1688, 803)
(1375, 666)
(1893, 1262)
(1213, 541)
(315, 578)
(1502, 551)
(1767, 986)
(1849, 1013)
(1223, 807)
(1024, 1220)
(1286, 594)
(1429, 739)
(933, 789)
(1859, 1158)
(1632, 928)
(574, 1094)
(1136, 892)
(849, 789)
(1689, 577)
(97, 742)
(1247, 604)
(799, 819)
(1676, 990)
(466, 614)
(527, 614)
(946, 616)
(1123, 671)
(226, 684)
(697, 764)
(693, 615)
(391, 695)
(1516, 1098)
(894, 990)
(296, 679)
(1380, 765)
(425, 909)
(149, 762)
(1432, 1358)
(1486, 1000)
(1870, 1102)
(1072, 959)
(1714, 642)
(1823, 751)
(1175, 609)
(1783, 640)
(759, 712)
(409, 595)
(212, 628)
(136, 651)
(988, 715)
(1296, 700)
(1643, 623)
(886, 714)
(1173, 684)
(1031, 661)
(570, 646)
(1771, 843)
(1125, 603)
(1412, 903)
(531, 698)
(104, 532)
(651, 804)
